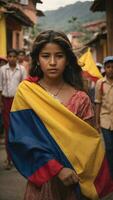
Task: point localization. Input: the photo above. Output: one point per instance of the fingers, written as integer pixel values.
(75, 178)
(68, 181)
(68, 176)
(72, 179)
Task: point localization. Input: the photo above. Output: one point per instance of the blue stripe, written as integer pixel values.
(30, 144)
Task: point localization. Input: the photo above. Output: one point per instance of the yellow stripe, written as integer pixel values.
(2, 36)
(80, 142)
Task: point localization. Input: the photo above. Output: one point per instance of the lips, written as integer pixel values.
(52, 70)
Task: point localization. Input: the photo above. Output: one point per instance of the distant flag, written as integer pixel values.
(89, 67)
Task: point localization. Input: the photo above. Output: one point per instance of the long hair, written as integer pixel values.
(72, 73)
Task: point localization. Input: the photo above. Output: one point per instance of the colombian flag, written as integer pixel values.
(89, 67)
(45, 136)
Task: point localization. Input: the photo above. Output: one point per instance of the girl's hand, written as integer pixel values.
(68, 176)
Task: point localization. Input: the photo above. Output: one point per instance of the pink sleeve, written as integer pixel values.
(81, 105)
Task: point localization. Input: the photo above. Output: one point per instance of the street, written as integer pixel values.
(12, 184)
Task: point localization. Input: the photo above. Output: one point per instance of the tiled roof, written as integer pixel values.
(19, 15)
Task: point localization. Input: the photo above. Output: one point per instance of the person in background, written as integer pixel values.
(100, 68)
(3, 61)
(104, 108)
(11, 74)
(22, 60)
(56, 75)
(92, 83)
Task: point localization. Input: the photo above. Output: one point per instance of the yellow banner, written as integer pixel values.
(3, 36)
(88, 64)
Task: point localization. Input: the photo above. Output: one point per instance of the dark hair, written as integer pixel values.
(21, 51)
(12, 51)
(72, 72)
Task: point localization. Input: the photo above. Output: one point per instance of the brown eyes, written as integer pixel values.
(56, 56)
(109, 66)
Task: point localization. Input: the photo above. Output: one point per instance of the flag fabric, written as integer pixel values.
(3, 47)
(45, 136)
(89, 67)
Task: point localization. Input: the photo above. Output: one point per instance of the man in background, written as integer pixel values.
(104, 108)
(22, 60)
(3, 61)
(11, 75)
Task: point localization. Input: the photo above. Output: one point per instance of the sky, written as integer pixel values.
(54, 4)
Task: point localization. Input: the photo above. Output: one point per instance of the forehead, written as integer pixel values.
(108, 63)
(21, 54)
(52, 47)
(12, 54)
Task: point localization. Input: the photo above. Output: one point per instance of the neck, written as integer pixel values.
(54, 82)
(54, 88)
(110, 80)
(12, 66)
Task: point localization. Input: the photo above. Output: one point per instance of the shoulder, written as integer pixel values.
(80, 104)
(23, 87)
(34, 79)
(80, 97)
(100, 81)
(26, 83)
(4, 67)
(21, 67)
(99, 84)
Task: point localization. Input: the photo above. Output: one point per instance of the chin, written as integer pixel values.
(53, 76)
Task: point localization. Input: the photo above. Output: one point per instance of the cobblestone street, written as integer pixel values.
(12, 184)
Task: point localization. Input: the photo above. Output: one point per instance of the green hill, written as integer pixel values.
(59, 19)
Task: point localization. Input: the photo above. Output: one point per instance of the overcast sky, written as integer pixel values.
(54, 4)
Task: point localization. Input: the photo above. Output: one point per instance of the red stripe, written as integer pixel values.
(46, 172)
(104, 182)
(32, 79)
(89, 76)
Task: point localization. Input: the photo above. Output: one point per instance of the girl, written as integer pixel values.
(54, 89)
(60, 75)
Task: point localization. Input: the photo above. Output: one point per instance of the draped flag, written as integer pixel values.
(89, 67)
(45, 136)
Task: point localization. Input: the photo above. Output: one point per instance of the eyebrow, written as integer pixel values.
(47, 52)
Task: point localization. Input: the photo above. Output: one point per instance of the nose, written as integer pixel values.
(52, 60)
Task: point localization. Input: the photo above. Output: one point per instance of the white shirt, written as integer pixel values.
(10, 79)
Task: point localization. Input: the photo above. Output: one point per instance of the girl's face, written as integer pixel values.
(52, 60)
